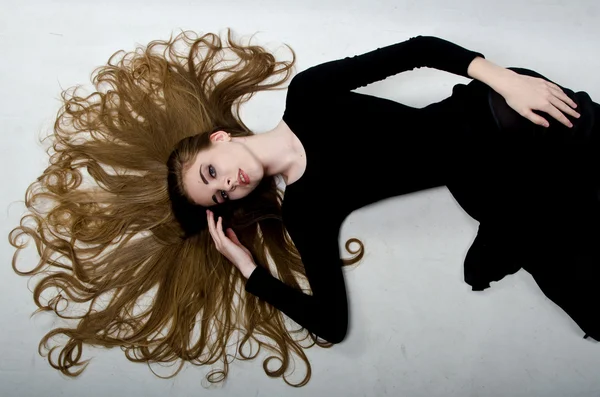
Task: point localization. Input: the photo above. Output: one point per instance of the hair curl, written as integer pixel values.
(108, 239)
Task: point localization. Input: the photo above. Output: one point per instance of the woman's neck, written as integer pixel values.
(280, 151)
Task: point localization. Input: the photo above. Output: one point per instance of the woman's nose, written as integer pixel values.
(229, 184)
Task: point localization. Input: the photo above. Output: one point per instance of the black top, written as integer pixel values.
(359, 149)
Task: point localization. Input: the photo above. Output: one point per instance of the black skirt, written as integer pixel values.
(536, 194)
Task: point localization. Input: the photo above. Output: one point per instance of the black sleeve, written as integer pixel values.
(360, 70)
(325, 312)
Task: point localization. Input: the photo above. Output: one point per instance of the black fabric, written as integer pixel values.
(540, 210)
(518, 181)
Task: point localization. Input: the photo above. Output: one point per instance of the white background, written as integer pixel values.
(416, 328)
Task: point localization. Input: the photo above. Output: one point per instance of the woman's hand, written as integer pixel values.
(524, 94)
(230, 246)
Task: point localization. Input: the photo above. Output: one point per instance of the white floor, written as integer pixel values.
(416, 328)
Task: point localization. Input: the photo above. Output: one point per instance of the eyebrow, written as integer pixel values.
(201, 175)
(214, 198)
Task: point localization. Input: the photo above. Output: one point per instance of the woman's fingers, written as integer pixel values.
(212, 230)
(561, 95)
(231, 234)
(553, 111)
(561, 102)
(564, 107)
(219, 228)
(226, 240)
(233, 237)
(535, 118)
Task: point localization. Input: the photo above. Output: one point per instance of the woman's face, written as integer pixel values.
(226, 170)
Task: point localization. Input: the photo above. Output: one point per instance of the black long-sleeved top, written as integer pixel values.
(359, 149)
(529, 187)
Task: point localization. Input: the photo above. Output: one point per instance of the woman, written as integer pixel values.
(163, 140)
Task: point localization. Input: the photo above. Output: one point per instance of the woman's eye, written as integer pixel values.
(211, 171)
(224, 195)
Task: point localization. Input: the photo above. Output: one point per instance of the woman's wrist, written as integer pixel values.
(496, 77)
(248, 269)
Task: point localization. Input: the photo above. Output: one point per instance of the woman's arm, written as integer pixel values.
(523, 93)
(324, 312)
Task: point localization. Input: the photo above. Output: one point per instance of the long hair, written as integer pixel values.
(108, 241)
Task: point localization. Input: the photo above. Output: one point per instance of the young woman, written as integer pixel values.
(188, 207)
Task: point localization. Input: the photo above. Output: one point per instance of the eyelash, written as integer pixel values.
(213, 173)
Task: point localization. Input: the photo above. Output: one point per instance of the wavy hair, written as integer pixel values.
(106, 235)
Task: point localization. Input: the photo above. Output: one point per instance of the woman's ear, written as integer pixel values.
(220, 136)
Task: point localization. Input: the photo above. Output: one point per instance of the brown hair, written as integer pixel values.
(108, 239)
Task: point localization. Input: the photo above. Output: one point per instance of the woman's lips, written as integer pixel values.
(246, 180)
